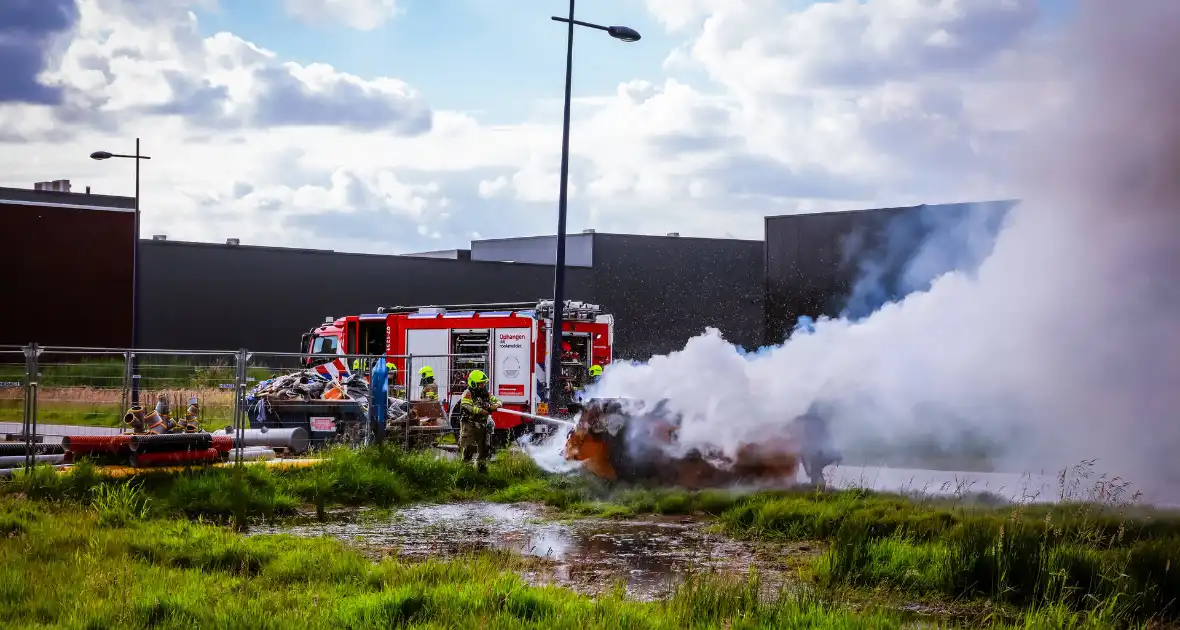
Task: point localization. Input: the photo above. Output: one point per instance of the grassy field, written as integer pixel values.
(89, 391)
(96, 407)
(107, 565)
(1098, 557)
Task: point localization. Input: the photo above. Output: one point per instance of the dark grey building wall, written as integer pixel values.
(539, 250)
(850, 263)
(665, 290)
(210, 296)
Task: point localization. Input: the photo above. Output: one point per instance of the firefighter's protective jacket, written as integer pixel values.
(474, 408)
(429, 389)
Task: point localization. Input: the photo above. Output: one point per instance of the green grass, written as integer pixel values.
(1081, 555)
(65, 566)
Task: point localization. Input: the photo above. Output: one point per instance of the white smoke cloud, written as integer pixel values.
(1063, 346)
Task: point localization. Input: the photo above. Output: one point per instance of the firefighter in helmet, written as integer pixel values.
(475, 419)
(595, 374)
(427, 384)
(392, 378)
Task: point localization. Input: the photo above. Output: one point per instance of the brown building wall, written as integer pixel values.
(69, 280)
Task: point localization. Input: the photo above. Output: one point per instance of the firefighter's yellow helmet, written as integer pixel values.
(391, 366)
(426, 372)
(477, 377)
(595, 370)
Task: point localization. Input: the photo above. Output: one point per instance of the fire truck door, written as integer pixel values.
(512, 375)
(470, 350)
(351, 335)
(429, 347)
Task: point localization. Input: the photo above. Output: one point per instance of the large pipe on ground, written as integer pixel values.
(293, 439)
(173, 458)
(253, 453)
(19, 448)
(171, 442)
(93, 444)
(223, 443)
(18, 461)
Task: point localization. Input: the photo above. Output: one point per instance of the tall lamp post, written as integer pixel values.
(106, 155)
(621, 33)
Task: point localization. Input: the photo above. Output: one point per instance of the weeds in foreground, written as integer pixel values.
(1082, 555)
(119, 505)
(64, 569)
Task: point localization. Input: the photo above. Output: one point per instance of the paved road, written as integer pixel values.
(54, 432)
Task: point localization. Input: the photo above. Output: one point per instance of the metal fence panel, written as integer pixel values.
(12, 388)
(60, 391)
(87, 388)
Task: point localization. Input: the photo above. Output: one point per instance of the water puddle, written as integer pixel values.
(649, 556)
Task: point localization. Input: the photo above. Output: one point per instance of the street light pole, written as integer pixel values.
(622, 33)
(105, 155)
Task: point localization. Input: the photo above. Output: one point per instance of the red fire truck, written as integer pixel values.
(509, 341)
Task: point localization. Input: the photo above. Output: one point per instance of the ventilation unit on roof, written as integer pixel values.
(159, 237)
(588, 231)
(57, 185)
(233, 241)
(673, 233)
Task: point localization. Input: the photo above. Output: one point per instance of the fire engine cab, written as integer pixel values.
(509, 341)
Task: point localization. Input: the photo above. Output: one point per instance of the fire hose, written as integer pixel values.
(535, 417)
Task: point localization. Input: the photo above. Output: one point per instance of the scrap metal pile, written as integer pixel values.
(318, 385)
(309, 385)
(622, 440)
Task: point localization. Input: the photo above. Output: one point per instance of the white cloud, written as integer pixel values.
(872, 103)
(489, 188)
(363, 15)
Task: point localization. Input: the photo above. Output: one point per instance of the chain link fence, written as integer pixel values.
(50, 392)
(12, 387)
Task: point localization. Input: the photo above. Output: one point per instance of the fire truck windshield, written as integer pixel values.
(325, 345)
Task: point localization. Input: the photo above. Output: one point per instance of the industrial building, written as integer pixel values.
(662, 290)
(71, 285)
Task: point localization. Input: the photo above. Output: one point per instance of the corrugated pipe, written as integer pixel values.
(171, 442)
(223, 443)
(293, 439)
(172, 458)
(253, 453)
(18, 461)
(20, 448)
(87, 444)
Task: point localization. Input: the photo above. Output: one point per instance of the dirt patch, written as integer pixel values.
(647, 556)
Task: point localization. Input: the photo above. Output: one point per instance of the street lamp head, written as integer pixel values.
(101, 155)
(623, 33)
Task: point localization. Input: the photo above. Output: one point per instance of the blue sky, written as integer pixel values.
(490, 56)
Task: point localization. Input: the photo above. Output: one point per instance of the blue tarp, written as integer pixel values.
(378, 399)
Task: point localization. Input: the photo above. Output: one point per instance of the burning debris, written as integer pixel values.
(618, 439)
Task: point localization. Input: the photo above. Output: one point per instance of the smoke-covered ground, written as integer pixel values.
(1063, 345)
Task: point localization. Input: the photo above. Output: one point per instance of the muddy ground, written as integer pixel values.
(647, 556)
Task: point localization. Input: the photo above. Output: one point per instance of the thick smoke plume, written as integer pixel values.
(1062, 346)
